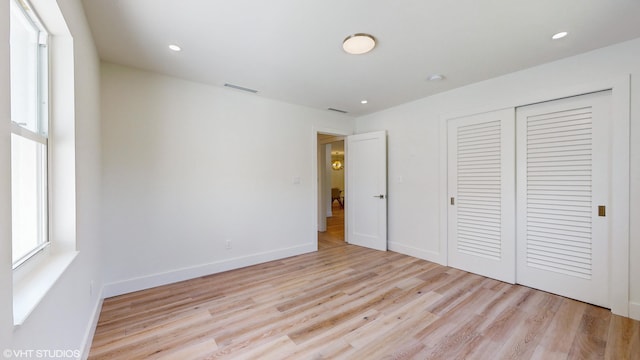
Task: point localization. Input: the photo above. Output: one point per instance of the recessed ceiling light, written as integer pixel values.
(358, 44)
(174, 47)
(363, 101)
(435, 77)
(559, 35)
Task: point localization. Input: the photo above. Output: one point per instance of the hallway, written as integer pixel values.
(334, 236)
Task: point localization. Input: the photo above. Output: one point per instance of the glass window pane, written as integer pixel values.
(24, 69)
(28, 195)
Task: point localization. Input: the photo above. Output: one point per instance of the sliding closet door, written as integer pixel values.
(481, 183)
(563, 155)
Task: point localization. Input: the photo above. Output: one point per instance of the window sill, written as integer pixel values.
(32, 282)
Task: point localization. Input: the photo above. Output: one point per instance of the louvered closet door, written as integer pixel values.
(563, 176)
(481, 185)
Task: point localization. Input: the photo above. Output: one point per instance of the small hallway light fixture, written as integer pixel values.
(359, 43)
(174, 47)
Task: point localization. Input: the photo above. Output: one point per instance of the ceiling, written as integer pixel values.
(291, 50)
(337, 143)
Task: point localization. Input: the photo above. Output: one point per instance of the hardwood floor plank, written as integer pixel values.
(170, 335)
(327, 289)
(449, 322)
(591, 338)
(522, 342)
(349, 302)
(339, 315)
(456, 340)
(269, 350)
(560, 334)
(268, 328)
(622, 342)
(330, 344)
(505, 298)
(398, 336)
(199, 350)
(376, 328)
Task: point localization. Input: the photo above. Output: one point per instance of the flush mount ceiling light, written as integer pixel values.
(174, 47)
(559, 35)
(435, 77)
(363, 102)
(358, 44)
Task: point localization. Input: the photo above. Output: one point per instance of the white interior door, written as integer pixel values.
(481, 185)
(366, 188)
(563, 177)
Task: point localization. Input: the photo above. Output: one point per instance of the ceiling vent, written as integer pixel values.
(338, 110)
(240, 88)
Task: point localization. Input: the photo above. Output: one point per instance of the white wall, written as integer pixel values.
(188, 166)
(63, 319)
(414, 143)
(337, 176)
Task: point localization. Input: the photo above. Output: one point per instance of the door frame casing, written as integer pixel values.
(314, 173)
(620, 171)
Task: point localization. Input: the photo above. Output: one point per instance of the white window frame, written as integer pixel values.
(40, 135)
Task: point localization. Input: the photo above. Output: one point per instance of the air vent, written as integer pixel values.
(240, 88)
(338, 110)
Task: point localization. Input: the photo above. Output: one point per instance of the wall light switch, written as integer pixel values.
(296, 180)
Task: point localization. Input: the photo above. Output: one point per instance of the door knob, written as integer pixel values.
(379, 196)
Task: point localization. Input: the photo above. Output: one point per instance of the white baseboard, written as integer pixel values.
(91, 329)
(150, 281)
(417, 253)
(634, 310)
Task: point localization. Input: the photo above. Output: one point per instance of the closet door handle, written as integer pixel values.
(602, 210)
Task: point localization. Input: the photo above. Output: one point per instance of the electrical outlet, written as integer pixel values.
(228, 244)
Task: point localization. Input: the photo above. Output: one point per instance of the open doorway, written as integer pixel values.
(331, 190)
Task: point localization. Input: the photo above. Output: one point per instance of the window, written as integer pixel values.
(43, 138)
(29, 132)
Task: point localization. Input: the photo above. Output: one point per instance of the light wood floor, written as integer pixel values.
(347, 302)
